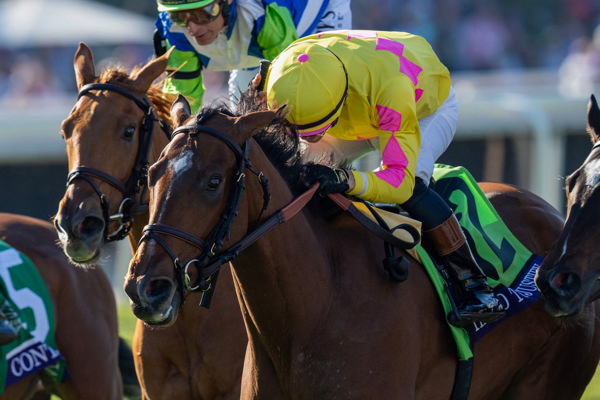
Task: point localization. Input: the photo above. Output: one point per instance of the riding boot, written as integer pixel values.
(479, 303)
(8, 333)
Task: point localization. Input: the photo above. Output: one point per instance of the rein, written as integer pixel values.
(210, 260)
(132, 189)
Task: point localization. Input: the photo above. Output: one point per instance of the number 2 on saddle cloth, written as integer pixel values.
(509, 266)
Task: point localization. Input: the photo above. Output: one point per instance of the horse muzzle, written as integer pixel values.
(81, 241)
(563, 293)
(154, 300)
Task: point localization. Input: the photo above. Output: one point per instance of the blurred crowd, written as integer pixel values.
(44, 72)
(468, 35)
(488, 34)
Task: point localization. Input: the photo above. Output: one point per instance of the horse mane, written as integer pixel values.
(160, 100)
(279, 140)
(280, 143)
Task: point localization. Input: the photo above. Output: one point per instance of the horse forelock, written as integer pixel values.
(584, 183)
(592, 171)
(279, 140)
(280, 143)
(160, 100)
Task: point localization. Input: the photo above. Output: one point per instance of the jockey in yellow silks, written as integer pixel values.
(352, 92)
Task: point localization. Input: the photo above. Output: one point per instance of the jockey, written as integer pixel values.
(234, 35)
(352, 92)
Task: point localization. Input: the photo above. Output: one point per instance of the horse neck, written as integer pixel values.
(280, 284)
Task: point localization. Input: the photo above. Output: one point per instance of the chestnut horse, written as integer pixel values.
(109, 146)
(323, 321)
(568, 277)
(86, 327)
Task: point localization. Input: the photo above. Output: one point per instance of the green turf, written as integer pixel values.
(127, 321)
(593, 390)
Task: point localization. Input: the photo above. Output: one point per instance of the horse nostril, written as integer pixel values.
(156, 287)
(156, 291)
(91, 226)
(566, 284)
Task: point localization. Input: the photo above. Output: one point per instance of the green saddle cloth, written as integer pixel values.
(508, 264)
(24, 292)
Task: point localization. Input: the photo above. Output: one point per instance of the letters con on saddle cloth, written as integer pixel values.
(35, 348)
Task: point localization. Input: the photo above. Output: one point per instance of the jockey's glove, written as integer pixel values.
(331, 180)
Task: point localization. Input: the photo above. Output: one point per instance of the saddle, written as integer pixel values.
(510, 267)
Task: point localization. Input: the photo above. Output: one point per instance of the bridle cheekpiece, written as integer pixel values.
(136, 183)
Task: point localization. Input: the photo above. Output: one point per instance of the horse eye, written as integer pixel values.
(129, 132)
(213, 182)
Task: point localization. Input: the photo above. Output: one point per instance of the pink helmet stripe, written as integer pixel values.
(316, 132)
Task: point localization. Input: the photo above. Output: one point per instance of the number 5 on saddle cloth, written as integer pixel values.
(35, 347)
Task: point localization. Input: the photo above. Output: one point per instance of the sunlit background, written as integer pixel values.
(523, 71)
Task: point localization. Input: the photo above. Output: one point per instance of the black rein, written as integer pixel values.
(211, 258)
(132, 189)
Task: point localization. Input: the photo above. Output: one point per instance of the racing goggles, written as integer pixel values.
(199, 16)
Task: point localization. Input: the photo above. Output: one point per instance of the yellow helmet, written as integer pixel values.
(312, 81)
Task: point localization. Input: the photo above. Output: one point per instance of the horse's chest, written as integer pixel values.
(327, 371)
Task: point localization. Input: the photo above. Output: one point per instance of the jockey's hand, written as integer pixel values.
(258, 84)
(260, 97)
(331, 180)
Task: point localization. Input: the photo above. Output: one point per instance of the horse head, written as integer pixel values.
(569, 277)
(206, 159)
(112, 133)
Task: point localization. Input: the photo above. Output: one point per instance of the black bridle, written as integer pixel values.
(209, 262)
(211, 258)
(132, 190)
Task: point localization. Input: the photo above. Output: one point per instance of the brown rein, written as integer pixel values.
(210, 263)
(211, 258)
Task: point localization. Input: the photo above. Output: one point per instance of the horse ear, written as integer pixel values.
(180, 111)
(250, 124)
(145, 76)
(83, 64)
(593, 119)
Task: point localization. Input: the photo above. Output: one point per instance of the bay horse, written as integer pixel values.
(109, 146)
(322, 316)
(86, 326)
(568, 279)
